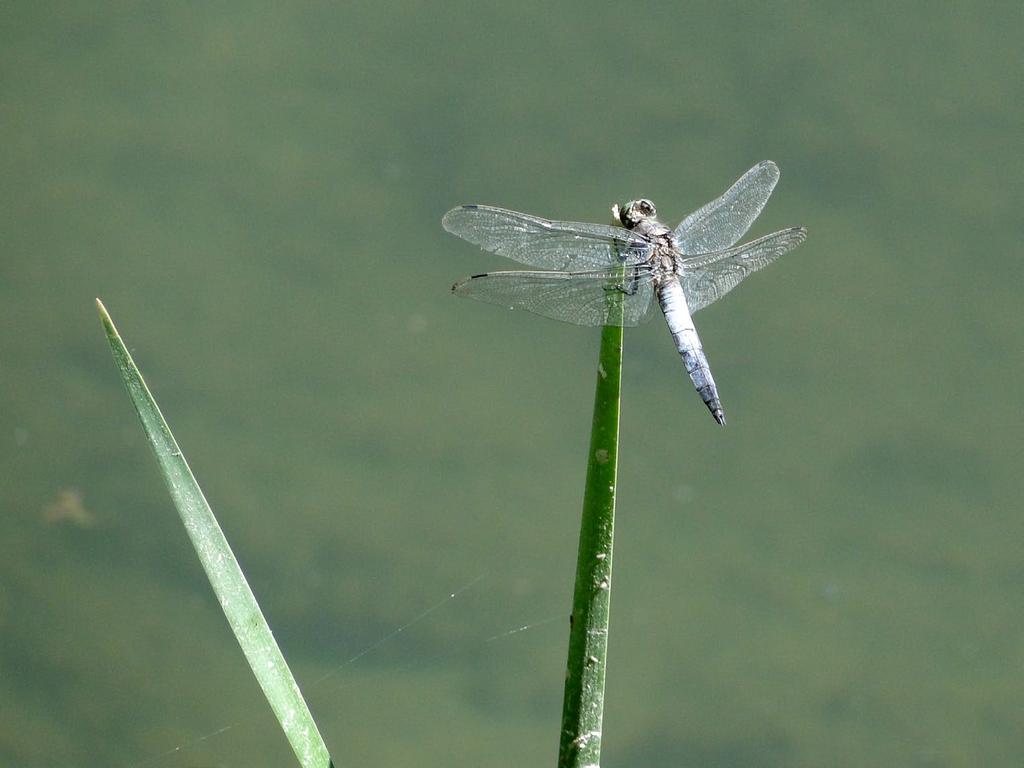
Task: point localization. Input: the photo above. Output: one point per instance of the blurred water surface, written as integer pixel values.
(255, 191)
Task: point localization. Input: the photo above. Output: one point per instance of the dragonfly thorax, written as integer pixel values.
(640, 216)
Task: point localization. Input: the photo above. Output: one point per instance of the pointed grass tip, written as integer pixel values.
(104, 315)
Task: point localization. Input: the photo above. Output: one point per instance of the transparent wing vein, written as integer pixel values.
(581, 298)
(708, 277)
(722, 222)
(560, 245)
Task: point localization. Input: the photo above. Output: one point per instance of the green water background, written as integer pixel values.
(255, 190)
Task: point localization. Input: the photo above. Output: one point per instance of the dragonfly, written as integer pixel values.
(600, 274)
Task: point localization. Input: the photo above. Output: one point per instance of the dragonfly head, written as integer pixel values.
(633, 212)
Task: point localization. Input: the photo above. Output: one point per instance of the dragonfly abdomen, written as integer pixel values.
(684, 333)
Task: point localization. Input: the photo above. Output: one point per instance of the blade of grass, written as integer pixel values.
(583, 702)
(226, 578)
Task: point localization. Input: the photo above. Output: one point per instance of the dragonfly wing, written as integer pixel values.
(708, 277)
(566, 246)
(581, 298)
(722, 222)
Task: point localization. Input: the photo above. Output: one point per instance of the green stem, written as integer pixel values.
(583, 704)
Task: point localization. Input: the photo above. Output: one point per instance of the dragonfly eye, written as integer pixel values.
(646, 207)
